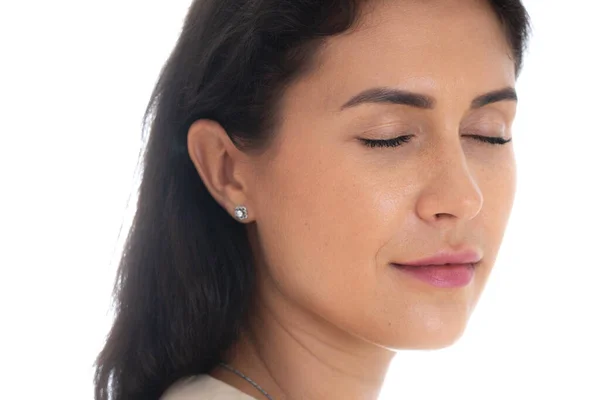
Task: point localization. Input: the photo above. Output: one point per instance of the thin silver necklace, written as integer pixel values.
(235, 371)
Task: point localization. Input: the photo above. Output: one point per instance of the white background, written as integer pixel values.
(74, 81)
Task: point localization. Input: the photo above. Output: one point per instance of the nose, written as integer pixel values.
(451, 192)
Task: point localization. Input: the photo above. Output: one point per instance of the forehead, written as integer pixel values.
(445, 48)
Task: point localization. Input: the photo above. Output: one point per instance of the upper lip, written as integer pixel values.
(447, 257)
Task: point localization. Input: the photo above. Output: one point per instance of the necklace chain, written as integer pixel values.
(235, 371)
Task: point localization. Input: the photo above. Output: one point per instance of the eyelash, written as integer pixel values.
(395, 142)
(400, 140)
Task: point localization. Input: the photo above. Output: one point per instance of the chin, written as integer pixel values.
(426, 337)
(438, 342)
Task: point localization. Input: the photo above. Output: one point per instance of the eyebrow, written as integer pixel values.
(507, 93)
(417, 100)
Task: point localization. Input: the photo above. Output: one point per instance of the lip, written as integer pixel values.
(444, 269)
(445, 257)
(441, 276)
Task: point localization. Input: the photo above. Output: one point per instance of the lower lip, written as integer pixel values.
(442, 276)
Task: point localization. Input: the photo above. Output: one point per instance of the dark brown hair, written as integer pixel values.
(185, 277)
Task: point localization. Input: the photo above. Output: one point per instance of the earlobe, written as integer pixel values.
(215, 158)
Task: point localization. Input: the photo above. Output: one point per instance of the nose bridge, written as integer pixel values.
(452, 189)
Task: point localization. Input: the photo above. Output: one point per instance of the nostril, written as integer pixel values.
(443, 215)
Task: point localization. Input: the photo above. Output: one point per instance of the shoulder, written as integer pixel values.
(203, 387)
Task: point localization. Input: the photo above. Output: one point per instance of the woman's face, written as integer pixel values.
(333, 214)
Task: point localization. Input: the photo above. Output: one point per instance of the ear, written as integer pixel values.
(221, 165)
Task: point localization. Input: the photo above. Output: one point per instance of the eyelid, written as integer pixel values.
(493, 127)
(390, 143)
(381, 136)
(391, 125)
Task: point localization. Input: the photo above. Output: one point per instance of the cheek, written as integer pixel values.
(323, 224)
(497, 183)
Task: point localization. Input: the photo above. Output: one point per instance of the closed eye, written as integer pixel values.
(490, 139)
(395, 142)
(400, 140)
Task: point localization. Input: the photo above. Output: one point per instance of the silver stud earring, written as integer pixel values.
(241, 213)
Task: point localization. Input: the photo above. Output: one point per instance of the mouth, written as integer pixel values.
(444, 269)
(448, 275)
(440, 276)
(445, 257)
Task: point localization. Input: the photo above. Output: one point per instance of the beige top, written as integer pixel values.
(203, 387)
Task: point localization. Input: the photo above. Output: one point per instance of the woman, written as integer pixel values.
(324, 183)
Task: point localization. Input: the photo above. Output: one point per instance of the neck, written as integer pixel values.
(294, 354)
